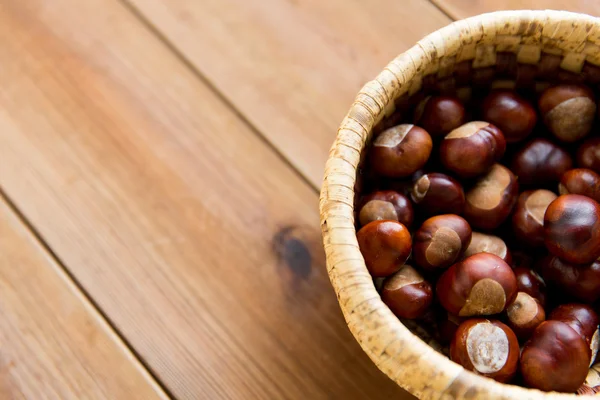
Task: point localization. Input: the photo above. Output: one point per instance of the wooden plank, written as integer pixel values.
(292, 68)
(458, 9)
(199, 242)
(53, 342)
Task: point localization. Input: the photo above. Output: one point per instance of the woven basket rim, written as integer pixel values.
(400, 354)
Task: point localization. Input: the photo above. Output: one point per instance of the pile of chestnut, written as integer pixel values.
(486, 229)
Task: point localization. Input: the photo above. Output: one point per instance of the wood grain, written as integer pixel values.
(292, 68)
(199, 243)
(53, 343)
(458, 9)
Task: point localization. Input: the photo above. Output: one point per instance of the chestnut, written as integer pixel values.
(541, 162)
(489, 202)
(438, 115)
(407, 293)
(486, 347)
(401, 150)
(579, 281)
(482, 284)
(555, 358)
(471, 149)
(583, 319)
(437, 193)
(568, 111)
(581, 181)
(386, 204)
(588, 154)
(528, 218)
(511, 113)
(530, 282)
(440, 241)
(484, 243)
(524, 315)
(385, 246)
(572, 228)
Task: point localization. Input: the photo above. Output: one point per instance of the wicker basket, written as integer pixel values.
(573, 41)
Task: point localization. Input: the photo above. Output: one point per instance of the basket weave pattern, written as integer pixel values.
(404, 357)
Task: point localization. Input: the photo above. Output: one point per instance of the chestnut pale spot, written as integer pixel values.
(444, 247)
(421, 188)
(392, 137)
(562, 189)
(572, 119)
(537, 203)
(488, 192)
(523, 309)
(594, 344)
(482, 243)
(378, 209)
(487, 297)
(407, 276)
(487, 347)
(466, 130)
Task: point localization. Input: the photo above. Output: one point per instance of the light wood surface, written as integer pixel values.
(197, 241)
(53, 343)
(292, 67)
(458, 9)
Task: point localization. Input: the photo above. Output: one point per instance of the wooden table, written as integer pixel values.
(159, 165)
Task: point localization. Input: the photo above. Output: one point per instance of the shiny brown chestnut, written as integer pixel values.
(437, 193)
(484, 243)
(530, 282)
(524, 315)
(472, 149)
(581, 181)
(511, 113)
(528, 217)
(486, 347)
(579, 281)
(572, 228)
(555, 358)
(386, 204)
(439, 115)
(407, 293)
(583, 319)
(482, 284)
(385, 246)
(490, 201)
(401, 150)
(541, 162)
(568, 111)
(440, 241)
(588, 154)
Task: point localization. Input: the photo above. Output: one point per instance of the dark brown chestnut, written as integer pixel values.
(385, 246)
(541, 162)
(581, 181)
(482, 284)
(407, 293)
(579, 281)
(400, 151)
(484, 243)
(572, 228)
(530, 282)
(440, 241)
(437, 193)
(568, 111)
(588, 154)
(511, 113)
(486, 347)
(472, 149)
(439, 115)
(524, 315)
(583, 319)
(386, 204)
(556, 358)
(528, 217)
(490, 201)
